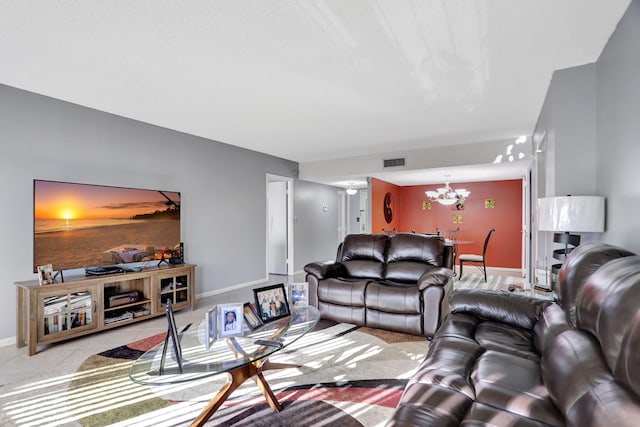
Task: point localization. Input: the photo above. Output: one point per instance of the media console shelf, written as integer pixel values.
(83, 305)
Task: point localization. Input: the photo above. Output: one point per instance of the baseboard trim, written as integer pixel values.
(6, 342)
(512, 271)
(231, 288)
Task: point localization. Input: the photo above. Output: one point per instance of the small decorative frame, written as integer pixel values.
(457, 219)
(229, 320)
(489, 203)
(271, 302)
(45, 274)
(426, 205)
(251, 316)
(299, 294)
(210, 330)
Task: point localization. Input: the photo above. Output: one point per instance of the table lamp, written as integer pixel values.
(569, 214)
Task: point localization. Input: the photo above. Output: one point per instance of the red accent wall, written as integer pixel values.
(378, 190)
(505, 247)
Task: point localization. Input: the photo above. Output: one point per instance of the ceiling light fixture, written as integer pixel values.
(351, 190)
(448, 196)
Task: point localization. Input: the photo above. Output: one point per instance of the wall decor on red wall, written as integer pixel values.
(388, 213)
(457, 219)
(489, 203)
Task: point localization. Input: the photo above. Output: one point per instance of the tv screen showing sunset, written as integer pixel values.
(83, 225)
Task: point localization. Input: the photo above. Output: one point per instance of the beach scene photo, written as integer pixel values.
(83, 225)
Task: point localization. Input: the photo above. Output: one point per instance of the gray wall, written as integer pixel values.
(223, 187)
(591, 119)
(618, 130)
(569, 119)
(315, 231)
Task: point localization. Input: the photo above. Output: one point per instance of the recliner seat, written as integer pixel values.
(507, 359)
(399, 283)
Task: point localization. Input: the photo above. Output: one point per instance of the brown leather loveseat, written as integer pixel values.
(399, 283)
(509, 360)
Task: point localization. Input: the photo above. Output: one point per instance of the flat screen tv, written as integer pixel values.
(85, 225)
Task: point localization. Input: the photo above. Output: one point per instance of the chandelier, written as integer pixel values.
(448, 196)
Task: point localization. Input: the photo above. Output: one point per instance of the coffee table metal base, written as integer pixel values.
(236, 378)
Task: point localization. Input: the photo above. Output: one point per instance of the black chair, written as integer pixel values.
(452, 235)
(477, 260)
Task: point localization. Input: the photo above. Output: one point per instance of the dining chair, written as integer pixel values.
(477, 260)
(452, 235)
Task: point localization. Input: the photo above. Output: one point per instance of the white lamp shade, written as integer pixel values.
(571, 214)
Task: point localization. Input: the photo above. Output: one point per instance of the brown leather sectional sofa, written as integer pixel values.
(399, 283)
(508, 360)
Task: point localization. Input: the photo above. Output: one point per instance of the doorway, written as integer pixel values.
(279, 225)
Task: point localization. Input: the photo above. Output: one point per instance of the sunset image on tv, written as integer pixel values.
(82, 225)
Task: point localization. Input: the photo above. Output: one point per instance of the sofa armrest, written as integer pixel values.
(436, 277)
(325, 270)
(516, 310)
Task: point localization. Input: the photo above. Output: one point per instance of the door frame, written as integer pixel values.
(289, 194)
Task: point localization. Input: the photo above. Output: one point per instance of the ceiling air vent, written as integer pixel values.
(390, 163)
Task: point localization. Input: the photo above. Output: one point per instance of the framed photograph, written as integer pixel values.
(251, 316)
(209, 327)
(299, 294)
(271, 302)
(45, 274)
(230, 320)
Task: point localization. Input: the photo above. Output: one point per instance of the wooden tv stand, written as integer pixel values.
(84, 305)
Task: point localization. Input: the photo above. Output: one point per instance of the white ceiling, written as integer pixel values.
(307, 80)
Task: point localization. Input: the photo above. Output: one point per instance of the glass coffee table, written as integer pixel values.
(240, 357)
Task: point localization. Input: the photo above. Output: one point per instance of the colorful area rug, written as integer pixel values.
(346, 375)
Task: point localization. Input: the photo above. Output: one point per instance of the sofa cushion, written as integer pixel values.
(404, 323)
(553, 322)
(507, 339)
(410, 255)
(393, 299)
(371, 247)
(363, 269)
(572, 364)
(342, 313)
(342, 292)
(513, 309)
(608, 307)
(514, 384)
(458, 325)
(430, 405)
(449, 363)
(363, 255)
(605, 405)
(406, 271)
(584, 261)
(484, 415)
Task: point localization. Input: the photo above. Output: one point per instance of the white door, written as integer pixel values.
(343, 209)
(277, 226)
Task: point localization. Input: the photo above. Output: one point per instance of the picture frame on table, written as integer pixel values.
(210, 330)
(45, 274)
(271, 302)
(251, 316)
(299, 294)
(230, 320)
